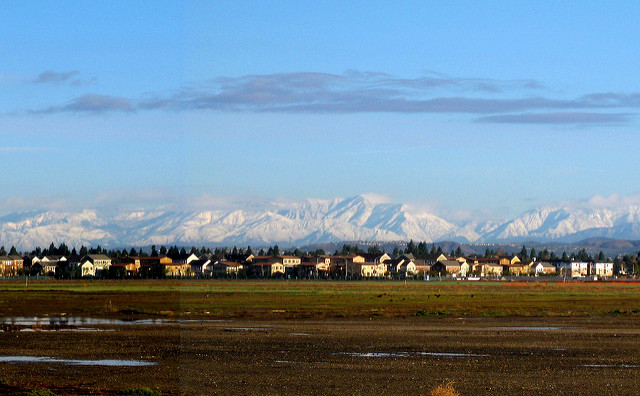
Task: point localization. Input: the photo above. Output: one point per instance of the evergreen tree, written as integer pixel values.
(523, 253)
(411, 247)
(276, 250)
(154, 252)
(83, 250)
(2, 251)
(13, 251)
(163, 250)
(544, 255)
(132, 252)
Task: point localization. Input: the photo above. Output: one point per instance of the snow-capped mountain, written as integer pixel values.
(569, 224)
(310, 221)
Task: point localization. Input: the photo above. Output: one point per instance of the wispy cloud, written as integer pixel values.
(69, 77)
(558, 118)
(91, 103)
(493, 101)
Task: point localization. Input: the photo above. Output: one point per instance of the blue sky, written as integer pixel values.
(464, 108)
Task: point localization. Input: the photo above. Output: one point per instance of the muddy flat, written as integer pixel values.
(514, 356)
(319, 338)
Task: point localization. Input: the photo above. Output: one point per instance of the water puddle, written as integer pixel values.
(449, 354)
(299, 334)
(412, 354)
(66, 330)
(530, 328)
(82, 321)
(246, 329)
(611, 365)
(76, 362)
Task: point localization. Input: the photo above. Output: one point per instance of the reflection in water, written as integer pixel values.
(80, 321)
(75, 362)
(409, 354)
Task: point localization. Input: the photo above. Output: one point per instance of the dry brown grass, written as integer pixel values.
(444, 390)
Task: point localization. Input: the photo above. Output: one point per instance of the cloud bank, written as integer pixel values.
(491, 101)
(53, 77)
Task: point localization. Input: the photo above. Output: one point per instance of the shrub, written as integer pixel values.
(444, 390)
(39, 392)
(140, 392)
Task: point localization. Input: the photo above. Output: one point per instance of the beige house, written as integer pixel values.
(314, 266)
(227, 268)
(488, 269)
(272, 268)
(602, 269)
(6, 266)
(517, 269)
(451, 267)
(130, 265)
(93, 264)
(366, 270)
(543, 268)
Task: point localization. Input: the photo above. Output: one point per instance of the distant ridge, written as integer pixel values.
(314, 221)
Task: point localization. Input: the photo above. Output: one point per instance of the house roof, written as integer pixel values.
(234, 264)
(449, 263)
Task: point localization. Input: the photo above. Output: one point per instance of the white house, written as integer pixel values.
(601, 269)
(94, 264)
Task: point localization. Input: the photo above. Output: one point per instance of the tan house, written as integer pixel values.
(422, 266)
(543, 268)
(154, 266)
(488, 269)
(271, 268)
(451, 267)
(366, 270)
(517, 269)
(506, 260)
(314, 266)
(130, 265)
(179, 269)
(6, 266)
(227, 268)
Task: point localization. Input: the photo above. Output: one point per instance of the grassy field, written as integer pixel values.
(317, 299)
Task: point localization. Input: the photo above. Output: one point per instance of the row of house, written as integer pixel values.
(360, 266)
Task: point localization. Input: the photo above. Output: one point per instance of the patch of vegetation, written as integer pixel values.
(320, 299)
(444, 390)
(424, 312)
(140, 392)
(39, 392)
(3, 381)
(624, 312)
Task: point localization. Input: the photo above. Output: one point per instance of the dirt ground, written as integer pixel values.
(481, 356)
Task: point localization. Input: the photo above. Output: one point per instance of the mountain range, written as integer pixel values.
(312, 221)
